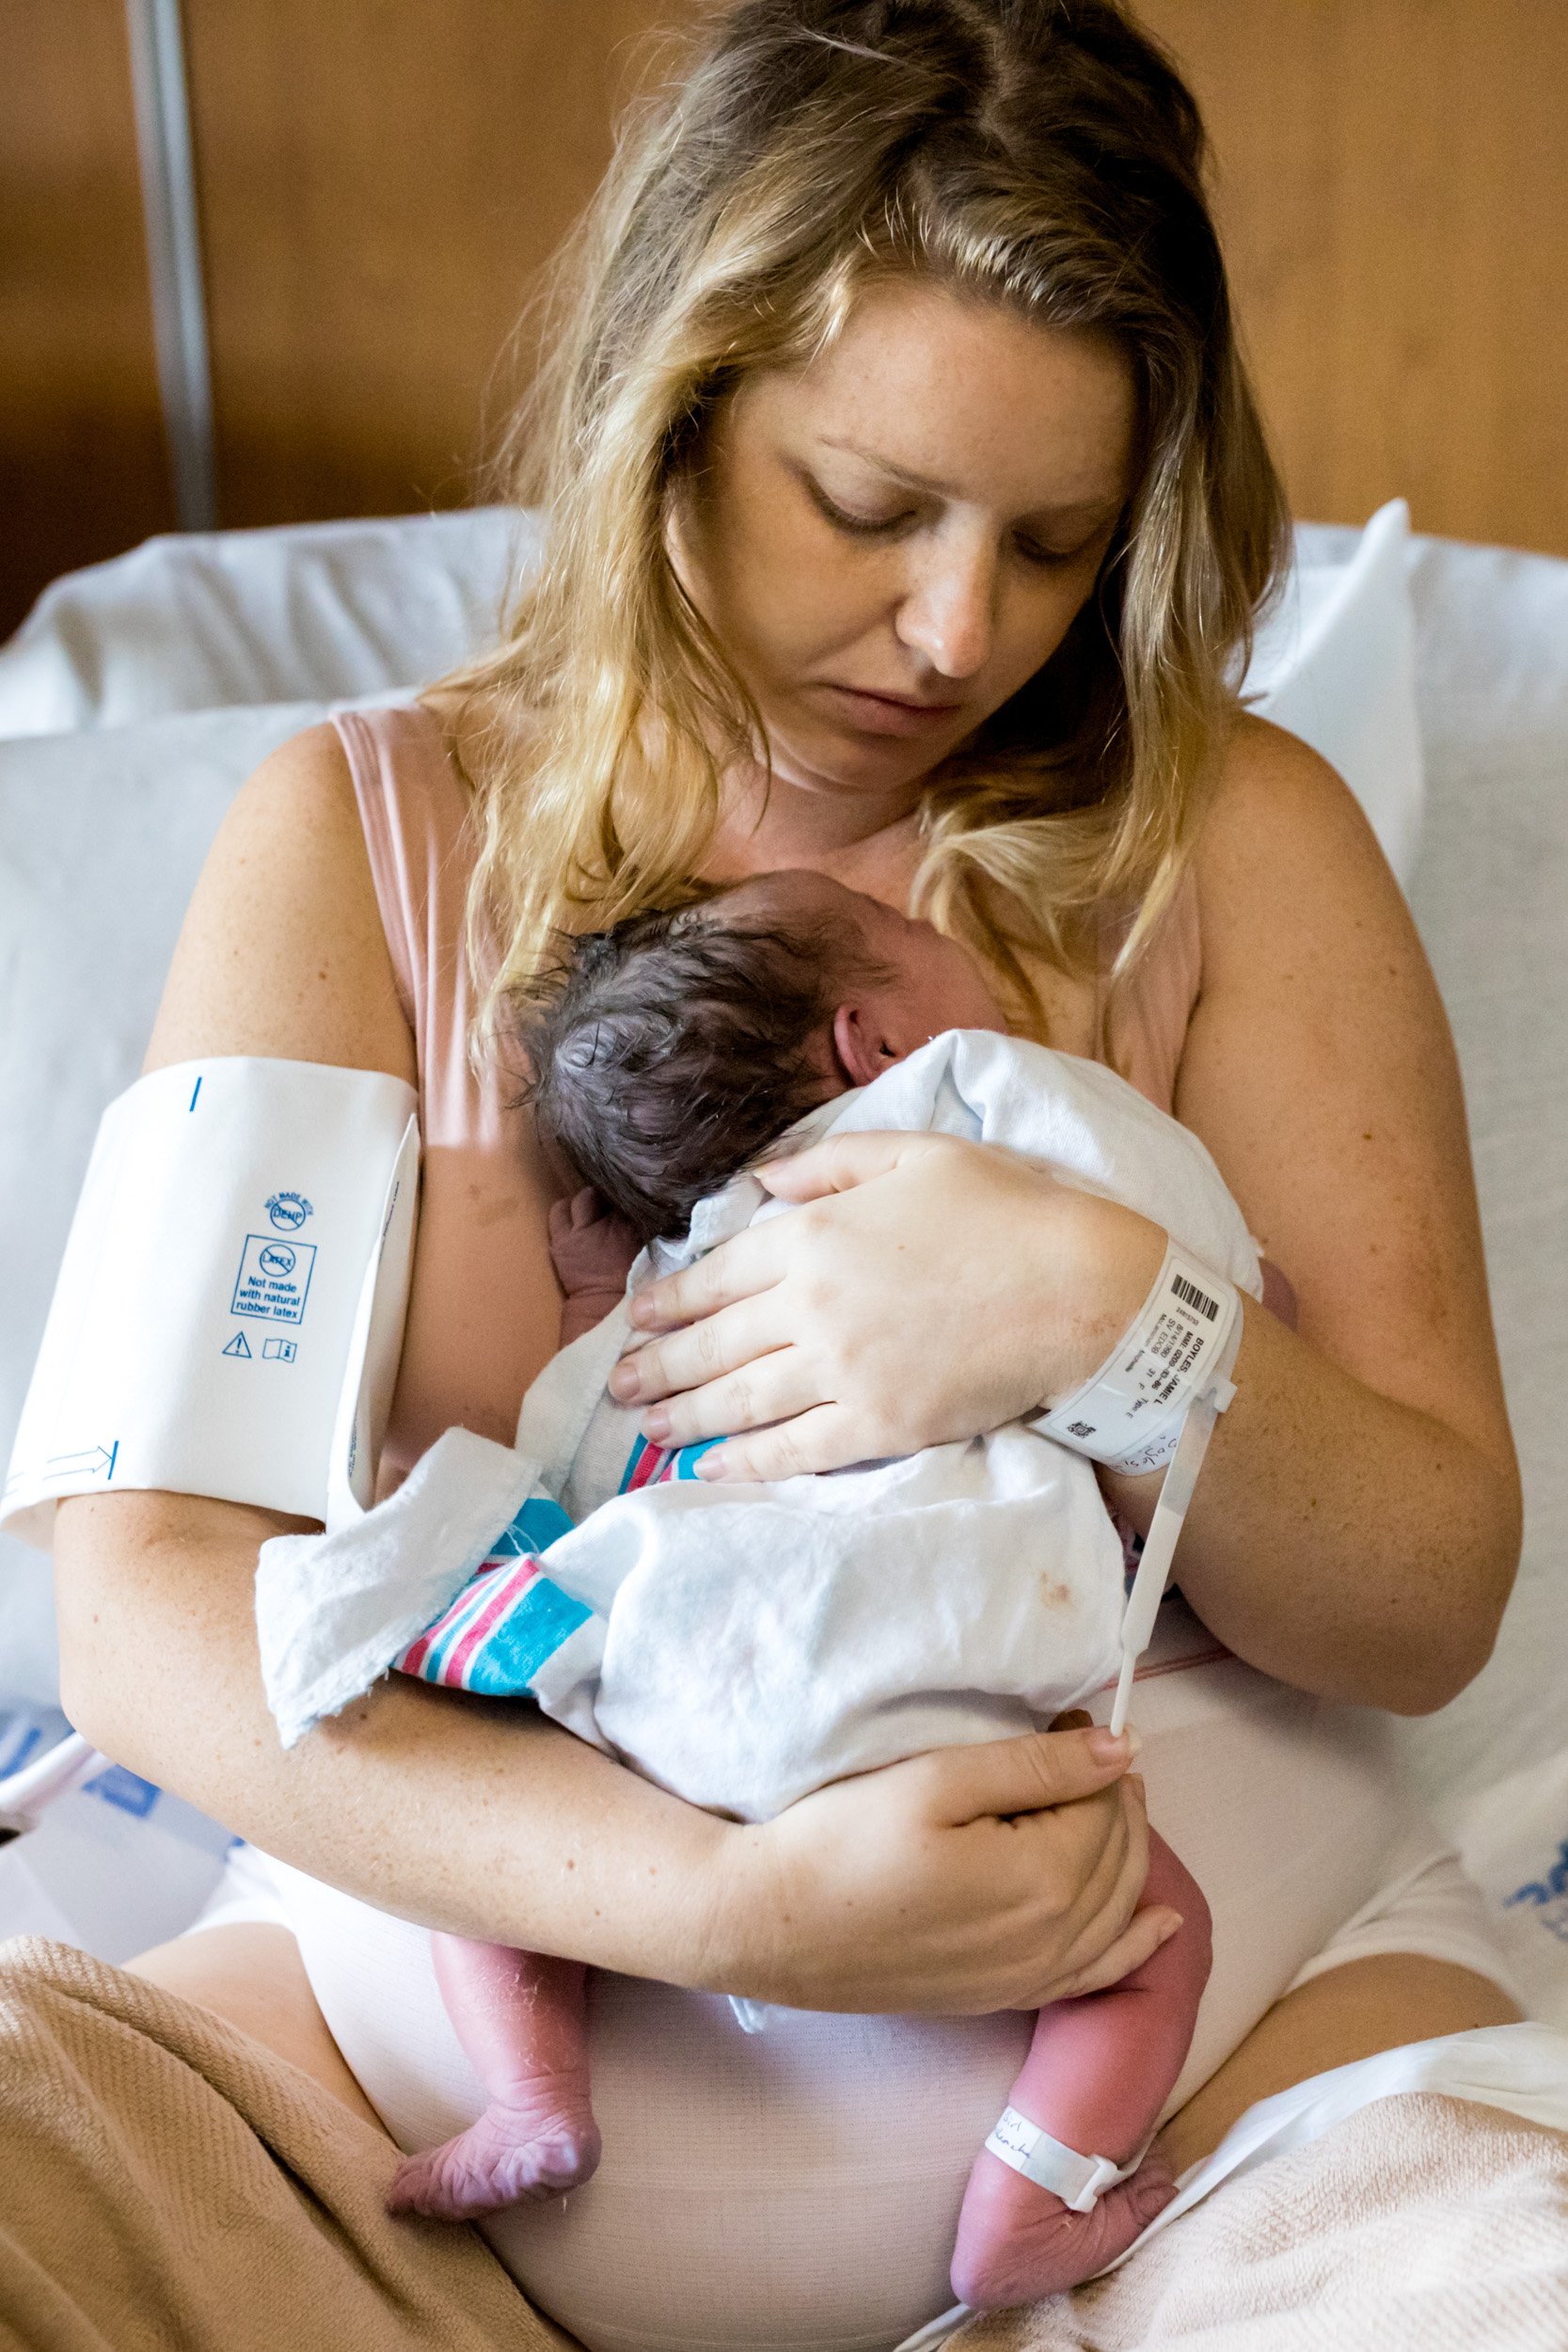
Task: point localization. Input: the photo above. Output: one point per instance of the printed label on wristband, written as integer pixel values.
(1130, 1413)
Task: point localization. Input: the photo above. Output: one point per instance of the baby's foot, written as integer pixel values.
(1018, 2242)
(528, 2146)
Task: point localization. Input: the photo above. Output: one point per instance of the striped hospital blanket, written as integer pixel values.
(508, 1620)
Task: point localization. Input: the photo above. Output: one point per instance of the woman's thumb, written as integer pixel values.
(1025, 1775)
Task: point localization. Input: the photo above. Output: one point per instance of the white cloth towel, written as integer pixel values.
(762, 1640)
(333, 1611)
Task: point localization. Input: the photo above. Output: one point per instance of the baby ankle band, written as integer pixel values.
(1080, 2182)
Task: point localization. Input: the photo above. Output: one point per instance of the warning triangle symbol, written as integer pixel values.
(237, 1346)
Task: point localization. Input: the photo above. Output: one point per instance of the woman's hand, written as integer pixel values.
(930, 1290)
(969, 1880)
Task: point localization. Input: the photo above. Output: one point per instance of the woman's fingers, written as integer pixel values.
(766, 1390)
(751, 1262)
(811, 1440)
(688, 1359)
(1115, 1875)
(1004, 1777)
(962, 1881)
(1139, 1940)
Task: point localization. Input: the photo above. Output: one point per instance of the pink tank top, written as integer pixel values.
(482, 1316)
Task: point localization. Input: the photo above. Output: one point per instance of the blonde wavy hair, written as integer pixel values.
(1039, 153)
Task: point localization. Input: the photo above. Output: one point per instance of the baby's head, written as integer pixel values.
(681, 1046)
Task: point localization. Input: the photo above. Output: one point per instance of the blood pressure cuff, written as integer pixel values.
(228, 1314)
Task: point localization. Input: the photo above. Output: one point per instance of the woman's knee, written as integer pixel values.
(1378, 2003)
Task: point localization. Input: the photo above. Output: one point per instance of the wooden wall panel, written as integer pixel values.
(1392, 179)
(380, 182)
(381, 179)
(82, 466)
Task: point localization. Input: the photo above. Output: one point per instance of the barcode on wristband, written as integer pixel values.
(1191, 1295)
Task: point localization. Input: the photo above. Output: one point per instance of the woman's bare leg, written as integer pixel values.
(251, 1975)
(1349, 2013)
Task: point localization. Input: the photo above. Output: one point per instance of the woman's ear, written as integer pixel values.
(863, 1047)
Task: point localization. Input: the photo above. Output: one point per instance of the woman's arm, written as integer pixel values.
(1356, 1527)
(901, 1890)
(1360, 1510)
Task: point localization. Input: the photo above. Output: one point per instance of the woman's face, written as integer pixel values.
(890, 541)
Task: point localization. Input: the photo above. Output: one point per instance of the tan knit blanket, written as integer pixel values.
(1421, 2224)
(167, 2181)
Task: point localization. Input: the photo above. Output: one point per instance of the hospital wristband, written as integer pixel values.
(1130, 1413)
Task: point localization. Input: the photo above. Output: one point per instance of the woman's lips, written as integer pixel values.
(881, 714)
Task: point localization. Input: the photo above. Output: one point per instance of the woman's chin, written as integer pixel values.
(845, 764)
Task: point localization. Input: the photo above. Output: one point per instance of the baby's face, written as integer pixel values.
(933, 983)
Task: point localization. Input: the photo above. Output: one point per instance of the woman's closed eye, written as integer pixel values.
(1033, 552)
(858, 526)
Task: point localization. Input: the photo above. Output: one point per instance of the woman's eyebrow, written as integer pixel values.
(1090, 509)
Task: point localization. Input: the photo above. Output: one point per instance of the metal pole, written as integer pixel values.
(174, 253)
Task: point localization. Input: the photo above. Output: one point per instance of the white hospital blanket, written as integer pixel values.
(757, 1640)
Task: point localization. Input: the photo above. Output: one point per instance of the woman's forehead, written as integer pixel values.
(963, 397)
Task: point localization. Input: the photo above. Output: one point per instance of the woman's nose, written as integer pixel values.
(948, 608)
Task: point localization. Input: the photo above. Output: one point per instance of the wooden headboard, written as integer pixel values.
(378, 181)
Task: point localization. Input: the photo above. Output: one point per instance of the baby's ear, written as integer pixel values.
(863, 1047)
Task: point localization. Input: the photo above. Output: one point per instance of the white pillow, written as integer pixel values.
(1334, 662)
(101, 838)
(313, 612)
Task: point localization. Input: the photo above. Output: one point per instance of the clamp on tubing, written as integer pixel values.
(25, 1795)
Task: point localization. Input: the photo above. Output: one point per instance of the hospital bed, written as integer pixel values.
(140, 693)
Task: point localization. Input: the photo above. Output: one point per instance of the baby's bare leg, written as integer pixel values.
(520, 2017)
(1098, 2073)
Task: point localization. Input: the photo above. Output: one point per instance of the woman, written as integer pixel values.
(909, 510)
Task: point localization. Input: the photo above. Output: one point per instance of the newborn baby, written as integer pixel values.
(680, 1050)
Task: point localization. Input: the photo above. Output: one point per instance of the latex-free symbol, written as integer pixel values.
(274, 1279)
(289, 1210)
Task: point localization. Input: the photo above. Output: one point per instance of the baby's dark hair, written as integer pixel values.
(682, 1044)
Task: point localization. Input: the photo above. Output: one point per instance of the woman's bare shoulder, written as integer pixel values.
(1290, 879)
(1320, 1072)
(1279, 808)
(1309, 949)
(282, 951)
